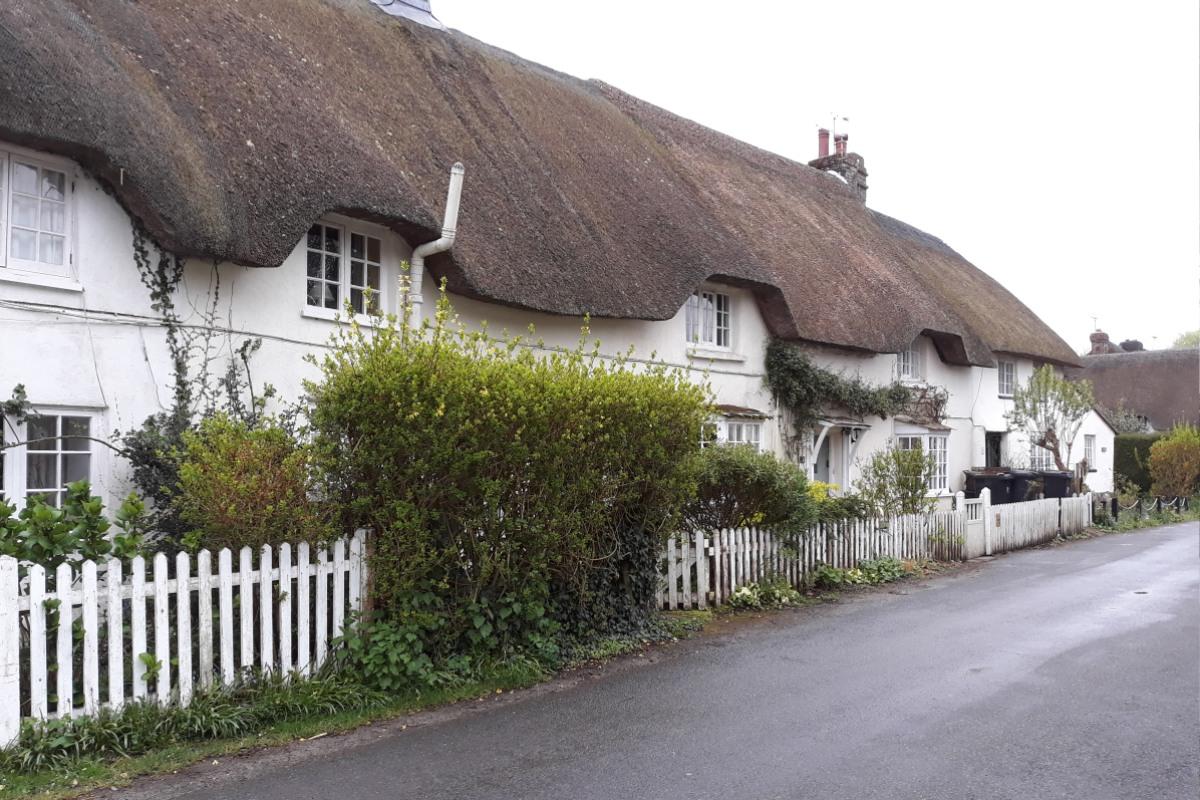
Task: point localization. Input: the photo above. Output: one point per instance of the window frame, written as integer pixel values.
(909, 368)
(1089, 451)
(1003, 367)
(14, 478)
(698, 319)
(939, 483)
(34, 270)
(348, 228)
(717, 432)
(1040, 458)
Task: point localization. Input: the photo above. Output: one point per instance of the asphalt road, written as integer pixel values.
(1071, 672)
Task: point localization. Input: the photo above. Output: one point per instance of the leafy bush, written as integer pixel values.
(78, 531)
(242, 487)
(142, 727)
(1175, 463)
(738, 486)
(770, 592)
(1131, 457)
(509, 486)
(836, 509)
(895, 481)
(883, 569)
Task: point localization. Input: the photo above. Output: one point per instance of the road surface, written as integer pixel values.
(1067, 672)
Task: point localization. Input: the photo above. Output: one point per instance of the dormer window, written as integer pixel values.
(34, 216)
(343, 264)
(909, 362)
(708, 320)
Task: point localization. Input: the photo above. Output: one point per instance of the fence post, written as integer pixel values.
(10, 649)
(1116, 509)
(986, 511)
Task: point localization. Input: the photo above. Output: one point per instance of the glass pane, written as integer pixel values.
(333, 240)
(356, 300)
(25, 178)
(314, 293)
(331, 295)
(51, 248)
(42, 428)
(314, 265)
(54, 217)
(314, 237)
(356, 273)
(332, 268)
(373, 276)
(41, 471)
(53, 184)
(372, 249)
(24, 244)
(24, 211)
(76, 427)
(356, 245)
(75, 467)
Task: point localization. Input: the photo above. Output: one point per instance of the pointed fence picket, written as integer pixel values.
(189, 641)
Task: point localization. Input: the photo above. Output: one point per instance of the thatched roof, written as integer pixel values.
(238, 123)
(1161, 385)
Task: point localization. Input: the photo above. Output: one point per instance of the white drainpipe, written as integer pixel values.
(440, 245)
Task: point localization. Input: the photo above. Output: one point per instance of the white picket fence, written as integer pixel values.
(109, 633)
(705, 569)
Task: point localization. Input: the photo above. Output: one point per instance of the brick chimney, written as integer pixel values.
(850, 167)
(1101, 344)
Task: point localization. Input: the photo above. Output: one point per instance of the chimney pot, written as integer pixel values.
(839, 143)
(822, 142)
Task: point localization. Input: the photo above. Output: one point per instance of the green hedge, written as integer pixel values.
(518, 497)
(1131, 457)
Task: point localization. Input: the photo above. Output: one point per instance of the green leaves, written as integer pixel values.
(49, 536)
(1051, 409)
(739, 486)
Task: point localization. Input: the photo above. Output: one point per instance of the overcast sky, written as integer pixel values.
(1054, 144)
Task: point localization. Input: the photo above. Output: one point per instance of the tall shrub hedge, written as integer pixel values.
(1131, 457)
(516, 497)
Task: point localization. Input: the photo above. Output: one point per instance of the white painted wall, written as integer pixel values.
(93, 344)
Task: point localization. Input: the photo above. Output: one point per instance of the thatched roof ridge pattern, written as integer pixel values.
(228, 126)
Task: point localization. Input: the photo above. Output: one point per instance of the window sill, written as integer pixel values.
(42, 280)
(339, 316)
(714, 355)
(1005, 396)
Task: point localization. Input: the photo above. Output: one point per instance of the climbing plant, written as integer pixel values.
(805, 388)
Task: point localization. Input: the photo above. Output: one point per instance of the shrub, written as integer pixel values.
(242, 487)
(738, 486)
(79, 530)
(1131, 457)
(510, 487)
(835, 509)
(883, 569)
(770, 592)
(895, 481)
(1175, 463)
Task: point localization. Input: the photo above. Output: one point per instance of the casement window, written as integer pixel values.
(1006, 378)
(708, 320)
(34, 214)
(1041, 458)
(53, 450)
(937, 446)
(343, 264)
(732, 431)
(909, 362)
(1089, 451)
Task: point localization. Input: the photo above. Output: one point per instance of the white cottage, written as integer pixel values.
(251, 169)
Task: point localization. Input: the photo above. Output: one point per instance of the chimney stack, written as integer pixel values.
(1101, 345)
(839, 143)
(822, 142)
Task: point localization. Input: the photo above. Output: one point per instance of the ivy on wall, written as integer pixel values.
(805, 388)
